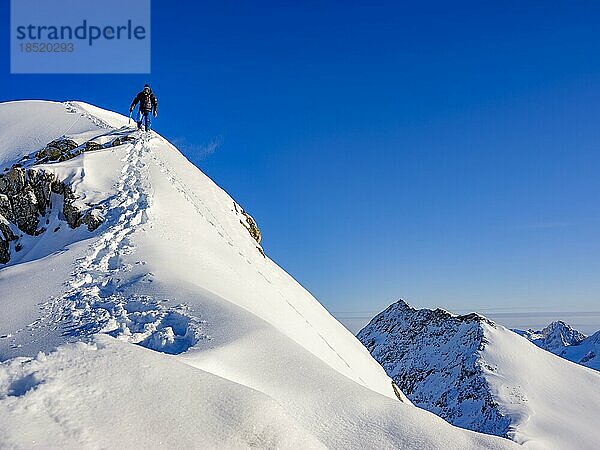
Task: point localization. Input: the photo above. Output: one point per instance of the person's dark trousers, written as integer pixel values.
(144, 119)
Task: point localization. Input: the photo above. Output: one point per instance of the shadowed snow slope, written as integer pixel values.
(483, 377)
(232, 351)
(586, 352)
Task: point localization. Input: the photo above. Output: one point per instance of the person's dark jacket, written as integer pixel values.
(147, 101)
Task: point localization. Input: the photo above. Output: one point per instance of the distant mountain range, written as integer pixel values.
(563, 340)
(481, 376)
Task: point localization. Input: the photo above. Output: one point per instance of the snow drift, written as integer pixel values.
(164, 322)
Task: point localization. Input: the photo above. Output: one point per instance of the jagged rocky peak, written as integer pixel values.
(400, 319)
(432, 355)
(563, 333)
(398, 314)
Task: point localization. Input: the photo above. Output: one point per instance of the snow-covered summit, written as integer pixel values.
(481, 376)
(163, 322)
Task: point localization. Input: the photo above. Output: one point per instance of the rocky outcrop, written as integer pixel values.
(58, 150)
(75, 215)
(252, 227)
(64, 149)
(6, 236)
(42, 183)
(23, 198)
(120, 140)
(26, 197)
(249, 223)
(26, 193)
(91, 146)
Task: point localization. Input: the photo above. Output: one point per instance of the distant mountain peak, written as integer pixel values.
(400, 305)
(407, 341)
(563, 340)
(554, 337)
(558, 326)
(403, 307)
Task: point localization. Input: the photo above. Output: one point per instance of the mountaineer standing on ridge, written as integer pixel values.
(148, 104)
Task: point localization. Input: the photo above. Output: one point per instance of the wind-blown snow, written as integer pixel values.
(125, 396)
(244, 356)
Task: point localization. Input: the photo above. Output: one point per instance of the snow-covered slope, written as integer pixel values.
(563, 340)
(130, 240)
(481, 376)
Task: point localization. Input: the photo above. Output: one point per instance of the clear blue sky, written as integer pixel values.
(446, 152)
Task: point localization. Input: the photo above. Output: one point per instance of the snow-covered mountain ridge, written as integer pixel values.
(481, 376)
(231, 351)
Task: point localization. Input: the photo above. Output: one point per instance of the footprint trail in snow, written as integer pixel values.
(95, 301)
